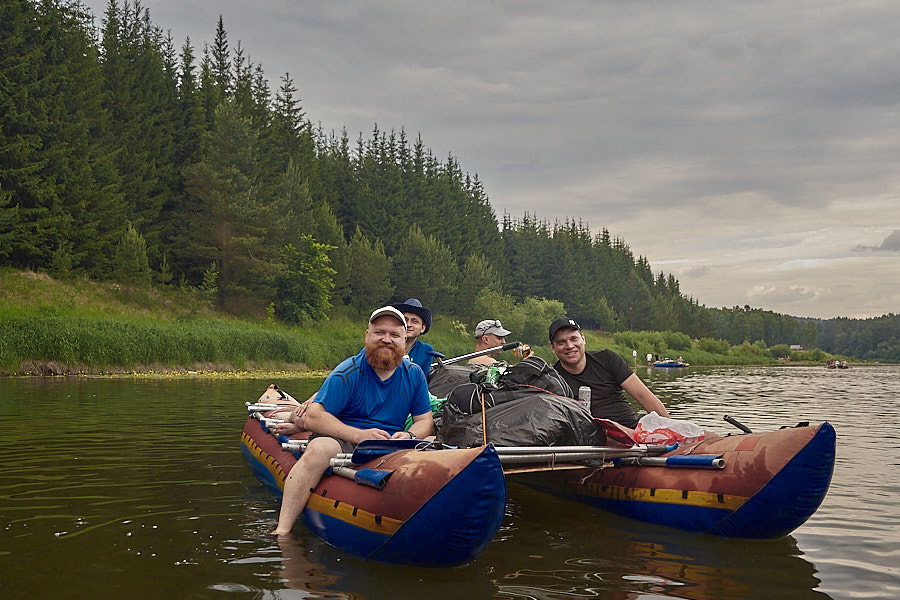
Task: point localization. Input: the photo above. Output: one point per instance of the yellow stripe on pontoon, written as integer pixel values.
(345, 512)
(661, 496)
(265, 458)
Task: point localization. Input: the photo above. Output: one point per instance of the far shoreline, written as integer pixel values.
(54, 369)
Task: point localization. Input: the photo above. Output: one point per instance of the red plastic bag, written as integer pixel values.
(654, 429)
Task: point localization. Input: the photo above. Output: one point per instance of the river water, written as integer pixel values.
(133, 487)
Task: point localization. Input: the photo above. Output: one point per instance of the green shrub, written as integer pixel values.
(814, 355)
(677, 341)
(714, 346)
(750, 349)
(780, 350)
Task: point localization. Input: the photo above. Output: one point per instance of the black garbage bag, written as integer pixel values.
(531, 376)
(444, 378)
(534, 372)
(532, 419)
(530, 405)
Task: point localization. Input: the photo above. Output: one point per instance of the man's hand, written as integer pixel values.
(402, 435)
(523, 351)
(372, 434)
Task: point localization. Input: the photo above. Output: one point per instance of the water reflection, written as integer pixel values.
(298, 572)
(136, 488)
(351, 578)
(578, 552)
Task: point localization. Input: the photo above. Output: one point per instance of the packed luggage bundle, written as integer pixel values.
(530, 405)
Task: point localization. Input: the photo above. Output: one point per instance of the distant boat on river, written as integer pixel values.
(669, 363)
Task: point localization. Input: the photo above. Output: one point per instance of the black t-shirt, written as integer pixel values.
(604, 373)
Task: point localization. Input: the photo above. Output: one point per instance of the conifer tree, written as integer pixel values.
(304, 284)
(55, 160)
(426, 268)
(370, 273)
(191, 120)
(11, 235)
(139, 85)
(227, 222)
(21, 186)
(477, 276)
(341, 186)
(131, 264)
(221, 59)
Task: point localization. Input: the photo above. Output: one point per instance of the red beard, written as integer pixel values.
(384, 358)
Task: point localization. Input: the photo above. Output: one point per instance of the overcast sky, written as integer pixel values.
(751, 149)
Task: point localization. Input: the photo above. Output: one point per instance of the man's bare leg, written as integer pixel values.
(304, 476)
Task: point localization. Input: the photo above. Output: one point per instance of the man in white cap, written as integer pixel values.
(366, 397)
(488, 334)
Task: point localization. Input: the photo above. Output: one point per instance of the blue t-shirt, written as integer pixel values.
(421, 354)
(355, 394)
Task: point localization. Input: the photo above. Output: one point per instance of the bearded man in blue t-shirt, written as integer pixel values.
(366, 397)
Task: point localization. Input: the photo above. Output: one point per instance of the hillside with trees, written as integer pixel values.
(125, 156)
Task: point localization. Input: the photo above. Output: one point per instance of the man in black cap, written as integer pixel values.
(418, 322)
(604, 371)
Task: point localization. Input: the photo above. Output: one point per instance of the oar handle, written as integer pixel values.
(506, 346)
(252, 407)
(294, 445)
(691, 461)
(738, 424)
(637, 450)
(374, 478)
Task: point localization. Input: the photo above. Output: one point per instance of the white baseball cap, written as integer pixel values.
(388, 311)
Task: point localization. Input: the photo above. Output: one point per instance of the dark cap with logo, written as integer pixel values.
(562, 323)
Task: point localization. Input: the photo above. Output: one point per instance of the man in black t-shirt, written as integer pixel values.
(604, 371)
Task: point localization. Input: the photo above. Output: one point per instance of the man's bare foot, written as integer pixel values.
(285, 428)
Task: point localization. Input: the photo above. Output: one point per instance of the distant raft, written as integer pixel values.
(421, 507)
(669, 363)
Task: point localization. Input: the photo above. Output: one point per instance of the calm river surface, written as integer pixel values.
(113, 488)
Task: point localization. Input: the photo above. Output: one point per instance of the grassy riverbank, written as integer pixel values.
(51, 327)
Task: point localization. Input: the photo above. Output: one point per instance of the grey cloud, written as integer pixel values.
(698, 272)
(603, 109)
(890, 244)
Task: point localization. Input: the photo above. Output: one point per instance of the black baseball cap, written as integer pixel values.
(561, 323)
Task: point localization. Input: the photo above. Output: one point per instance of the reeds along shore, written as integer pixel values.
(58, 345)
(53, 327)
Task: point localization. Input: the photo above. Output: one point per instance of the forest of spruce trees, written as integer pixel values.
(125, 156)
